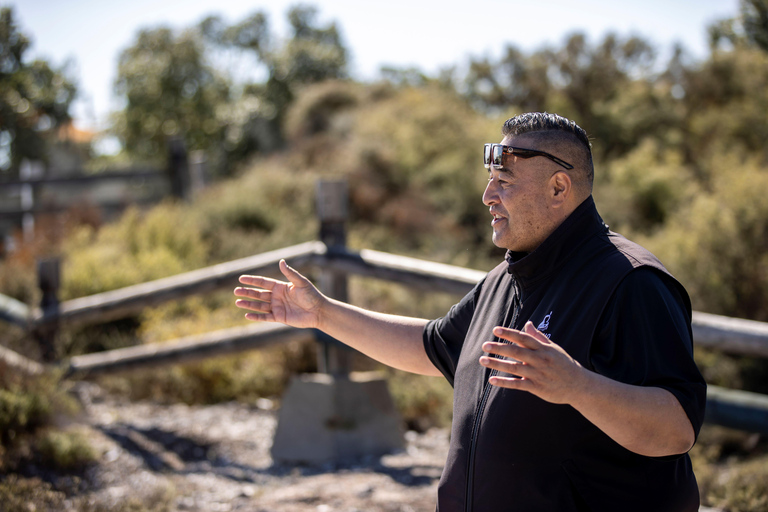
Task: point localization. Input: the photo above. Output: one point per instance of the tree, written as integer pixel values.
(754, 15)
(312, 54)
(169, 90)
(515, 80)
(588, 82)
(179, 84)
(749, 28)
(34, 99)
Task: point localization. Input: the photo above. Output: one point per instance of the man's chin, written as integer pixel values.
(498, 242)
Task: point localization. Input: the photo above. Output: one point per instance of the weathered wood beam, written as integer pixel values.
(184, 350)
(135, 174)
(132, 299)
(14, 311)
(734, 335)
(722, 333)
(20, 363)
(421, 274)
(731, 335)
(741, 410)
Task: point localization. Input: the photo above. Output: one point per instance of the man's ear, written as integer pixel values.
(561, 187)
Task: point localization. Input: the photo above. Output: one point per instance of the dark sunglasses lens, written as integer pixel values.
(487, 155)
(496, 155)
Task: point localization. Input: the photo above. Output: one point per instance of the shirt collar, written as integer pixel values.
(583, 222)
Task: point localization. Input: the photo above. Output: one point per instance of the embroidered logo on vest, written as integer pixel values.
(544, 325)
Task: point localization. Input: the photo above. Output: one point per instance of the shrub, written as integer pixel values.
(66, 450)
(28, 404)
(19, 494)
(244, 377)
(718, 243)
(744, 488)
(422, 401)
(138, 248)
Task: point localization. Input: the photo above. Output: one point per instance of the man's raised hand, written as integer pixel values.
(533, 363)
(296, 302)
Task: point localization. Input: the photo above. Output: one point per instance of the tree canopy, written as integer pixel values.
(174, 85)
(679, 144)
(35, 98)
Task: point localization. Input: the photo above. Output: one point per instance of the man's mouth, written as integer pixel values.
(496, 219)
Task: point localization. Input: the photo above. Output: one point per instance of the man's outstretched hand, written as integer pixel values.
(296, 303)
(533, 363)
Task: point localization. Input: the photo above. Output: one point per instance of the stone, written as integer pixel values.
(325, 418)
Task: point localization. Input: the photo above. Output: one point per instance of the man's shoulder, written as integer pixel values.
(646, 269)
(622, 249)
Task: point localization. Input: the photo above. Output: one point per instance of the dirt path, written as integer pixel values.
(216, 458)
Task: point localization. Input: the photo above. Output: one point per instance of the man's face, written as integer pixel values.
(518, 197)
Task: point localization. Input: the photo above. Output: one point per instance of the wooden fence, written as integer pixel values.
(738, 409)
(180, 178)
(332, 259)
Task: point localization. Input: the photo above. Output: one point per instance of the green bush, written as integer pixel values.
(423, 402)
(19, 494)
(718, 243)
(269, 207)
(744, 488)
(66, 450)
(639, 192)
(243, 377)
(140, 247)
(21, 412)
(28, 403)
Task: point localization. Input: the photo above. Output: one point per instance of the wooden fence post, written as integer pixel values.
(48, 278)
(336, 414)
(331, 201)
(30, 170)
(178, 169)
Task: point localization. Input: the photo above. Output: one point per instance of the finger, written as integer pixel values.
(520, 338)
(261, 307)
(259, 281)
(531, 330)
(293, 275)
(260, 317)
(511, 383)
(503, 349)
(516, 368)
(251, 293)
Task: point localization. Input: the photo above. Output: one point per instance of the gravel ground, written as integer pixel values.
(216, 458)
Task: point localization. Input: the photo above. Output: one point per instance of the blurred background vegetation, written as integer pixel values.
(681, 152)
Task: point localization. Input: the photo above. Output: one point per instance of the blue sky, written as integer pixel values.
(423, 33)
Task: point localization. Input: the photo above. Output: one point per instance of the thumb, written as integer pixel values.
(293, 275)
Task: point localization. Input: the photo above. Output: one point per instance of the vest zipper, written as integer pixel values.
(515, 310)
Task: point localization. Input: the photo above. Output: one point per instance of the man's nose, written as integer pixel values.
(490, 196)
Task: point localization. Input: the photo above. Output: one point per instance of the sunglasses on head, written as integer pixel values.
(494, 153)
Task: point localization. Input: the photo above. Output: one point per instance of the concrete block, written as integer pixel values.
(325, 418)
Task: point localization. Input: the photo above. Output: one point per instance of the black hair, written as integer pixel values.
(552, 123)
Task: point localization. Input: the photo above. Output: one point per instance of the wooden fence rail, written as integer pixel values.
(127, 301)
(184, 350)
(180, 178)
(14, 311)
(737, 409)
(129, 175)
(732, 335)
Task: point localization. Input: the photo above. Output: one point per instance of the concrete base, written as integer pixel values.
(329, 419)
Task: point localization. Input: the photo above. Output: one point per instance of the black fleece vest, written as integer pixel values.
(513, 451)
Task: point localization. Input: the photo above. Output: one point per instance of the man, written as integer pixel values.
(574, 382)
